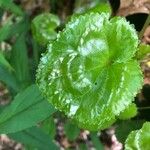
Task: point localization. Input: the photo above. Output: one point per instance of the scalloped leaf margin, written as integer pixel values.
(89, 72)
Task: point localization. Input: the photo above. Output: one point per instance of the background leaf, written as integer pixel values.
(82, 6)
(4, 62)
(49, 127)
(8, 77)
(19, 60)
(43, 27)
(143, 51)
(123, 128)
(10, 6)
(27, 109)
(35, 138)
(139, 139)
(10, 29)
(71, 130)
(96, 141)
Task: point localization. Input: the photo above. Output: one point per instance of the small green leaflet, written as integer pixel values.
(43, 27)
(129, 112)
(139, 139)
(89, 71)
(143, 51)
(27, 109)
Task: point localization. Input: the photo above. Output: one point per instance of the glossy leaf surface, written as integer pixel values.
(93, 7)
(139, 139)
(89, 72)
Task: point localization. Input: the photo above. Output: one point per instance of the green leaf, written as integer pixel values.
(129, 112)
(139, 139)
(27, 109)
(4, 32)
(8, 77)
(35, 138)
(4, 62)
(89, 72)
(49, 127)
(100, 8)
(143, 51)
(43, 27)
(8, 29)
(82, 7)
(19, 60)
(96, 141)
(10, 6)
(123, 128)
(131, 143)
(71, 130)
(82, 146)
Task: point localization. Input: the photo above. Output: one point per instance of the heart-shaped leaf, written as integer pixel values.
(89, 72)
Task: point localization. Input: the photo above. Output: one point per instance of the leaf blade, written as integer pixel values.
(10, 6)
(35, 138)
(15, 117)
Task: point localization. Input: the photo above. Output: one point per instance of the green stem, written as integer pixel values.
(144, 27)
(143, 108)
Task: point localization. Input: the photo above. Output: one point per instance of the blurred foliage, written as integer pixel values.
(43, 28)
(129, 112)
(26, 27)
(143, 51)
(123, 128)
(72, 131)
(34, 138)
